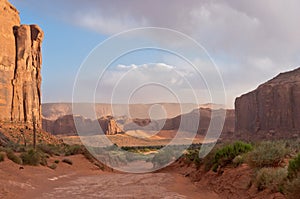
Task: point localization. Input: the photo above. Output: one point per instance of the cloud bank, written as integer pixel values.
(250, 41)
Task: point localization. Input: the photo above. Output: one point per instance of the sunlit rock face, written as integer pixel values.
(20, 68)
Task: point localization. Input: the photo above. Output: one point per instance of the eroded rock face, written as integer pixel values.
(65, 125)
(20, 68)
(273, 106)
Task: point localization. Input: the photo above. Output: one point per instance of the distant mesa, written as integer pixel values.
(273, 109)
(188, 122)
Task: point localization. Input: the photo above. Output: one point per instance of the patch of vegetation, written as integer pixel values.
(293, 146)
(293, 188)
(56, 161)
(32, 157)
(13, 157)
(73, 150)
(163, 157)
(238, 160)
(67, 161)
(88, 155)
(2, 157)
(192, 156)
(267, 154)
(100, 166)
(294, 167)
(53, 166)
(15, 147)
(50, 149)
(271, 178)
(226, 154)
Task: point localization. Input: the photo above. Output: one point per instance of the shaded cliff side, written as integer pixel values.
(20, 68)
(274, 106)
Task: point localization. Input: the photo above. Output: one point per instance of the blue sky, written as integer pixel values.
(249, 43)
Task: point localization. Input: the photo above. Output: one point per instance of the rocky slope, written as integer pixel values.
(273, 107)
(20, 68)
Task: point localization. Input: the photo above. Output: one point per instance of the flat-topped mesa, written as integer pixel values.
(20, 68)
(273, 106)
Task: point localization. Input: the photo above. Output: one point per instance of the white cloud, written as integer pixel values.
(154, 82)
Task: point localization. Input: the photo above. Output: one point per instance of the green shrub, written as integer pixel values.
(226, 154)
(73, 150)
(1, 157)
(208, 161)
(192, 155)
(56, 161)
(13, 157)
(267, 154)
(271, 178)
(31, 157)
(294, 167)
(53, 166)
(67, 161)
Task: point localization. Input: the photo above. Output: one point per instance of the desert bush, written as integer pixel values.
(2, 157)
(53, 166)
(50, 149)
(56, 161)
(294, 167)
(88, 155)
(226, 154)
(293, 146)
(293, 188)
(267, 154)
(73, 150)
(100, 166)
(44, 158)
(208, 161)
(271, 178)
(67, 161)
(163, 157)
(192, 156)
(13, 157)
(31, 157)
(238, 160)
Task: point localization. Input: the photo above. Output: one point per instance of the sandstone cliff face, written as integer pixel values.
(273, 106)
(20, 68)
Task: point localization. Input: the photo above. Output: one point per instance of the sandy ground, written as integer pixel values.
(84, 180)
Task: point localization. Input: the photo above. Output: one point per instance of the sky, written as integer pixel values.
(244, 44)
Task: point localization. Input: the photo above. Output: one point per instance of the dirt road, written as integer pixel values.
(152, 185)
(85, 180)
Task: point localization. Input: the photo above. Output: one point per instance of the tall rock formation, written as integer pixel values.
(273, 106)
(20, 68)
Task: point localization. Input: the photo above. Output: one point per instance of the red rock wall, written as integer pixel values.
(273, 106)
(20, 68)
